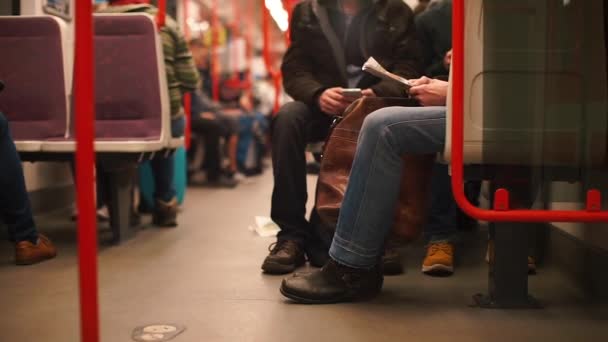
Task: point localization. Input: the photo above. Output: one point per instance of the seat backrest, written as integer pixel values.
(535, 93)
(33, 67)
(130, 85)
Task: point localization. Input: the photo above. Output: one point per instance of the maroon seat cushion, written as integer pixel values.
(31, 66)
(128, 97)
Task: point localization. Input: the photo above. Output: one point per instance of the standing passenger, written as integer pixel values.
(331, 40)
(182, 77)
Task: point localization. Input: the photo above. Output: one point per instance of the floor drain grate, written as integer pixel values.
(157, 332)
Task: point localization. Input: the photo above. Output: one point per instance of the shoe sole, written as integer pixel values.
(302, 300)
(438, 270)
(275, 268)
(34, 261)
(343, 299)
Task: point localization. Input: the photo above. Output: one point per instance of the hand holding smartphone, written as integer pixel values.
(352, 93)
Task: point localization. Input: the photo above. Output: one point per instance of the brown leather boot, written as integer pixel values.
(413, 201)
(27, 253)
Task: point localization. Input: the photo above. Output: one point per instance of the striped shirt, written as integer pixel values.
(182, 75)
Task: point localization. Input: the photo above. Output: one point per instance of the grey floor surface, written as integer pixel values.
(205, 274)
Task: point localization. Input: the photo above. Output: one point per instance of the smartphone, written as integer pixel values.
(352, 93)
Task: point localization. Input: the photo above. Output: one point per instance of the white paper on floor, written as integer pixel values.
(265, 227)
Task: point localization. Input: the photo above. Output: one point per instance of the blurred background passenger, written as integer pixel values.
(330, 41)
(182, 77)
(15, 211)
(421, 6)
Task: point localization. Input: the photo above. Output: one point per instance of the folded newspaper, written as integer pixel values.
(373, 67)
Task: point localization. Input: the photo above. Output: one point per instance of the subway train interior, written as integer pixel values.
(297, 170)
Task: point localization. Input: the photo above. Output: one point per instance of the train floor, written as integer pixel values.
(205, 275)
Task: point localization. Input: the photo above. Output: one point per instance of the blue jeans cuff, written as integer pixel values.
(347, 256)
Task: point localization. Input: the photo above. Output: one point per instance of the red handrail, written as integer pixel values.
(215, 36)
(85, 173)
(162, 13)
(504, 214)
(275, 75)
(187, 100)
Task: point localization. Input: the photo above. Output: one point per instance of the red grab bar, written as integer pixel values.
(161, 14)
(276, 75)
(215, 60)
(502, 213)
(85, 177)
(187, 100)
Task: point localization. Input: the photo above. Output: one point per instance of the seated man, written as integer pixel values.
(353, 271)
(331, 40)
(30, 246)
(212, 125)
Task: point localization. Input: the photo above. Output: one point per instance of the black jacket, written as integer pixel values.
(315, 58)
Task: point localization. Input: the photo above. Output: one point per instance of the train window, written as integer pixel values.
(60, 8)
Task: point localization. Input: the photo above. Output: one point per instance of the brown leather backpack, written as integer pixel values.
(338, 155)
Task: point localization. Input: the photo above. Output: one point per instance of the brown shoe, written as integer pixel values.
(165, 213)
(27, 253)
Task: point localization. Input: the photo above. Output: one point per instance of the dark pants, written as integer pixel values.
(211, 131)
(163, 168)
(443, 211)
(293, 128)
(15, 209)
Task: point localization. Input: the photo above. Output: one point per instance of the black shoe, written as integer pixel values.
(391, 262)
(317, 256)
(334, 283)
(165, 213)
(285, 256)
(222, 181)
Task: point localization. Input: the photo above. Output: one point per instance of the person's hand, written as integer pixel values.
(333, 102)
(447, 60)
(420, 81)
(433, 93)
(207, 116)
(369, 92)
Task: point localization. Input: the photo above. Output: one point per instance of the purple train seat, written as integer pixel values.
(34, 69)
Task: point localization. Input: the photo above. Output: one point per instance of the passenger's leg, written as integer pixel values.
(15, 209)
(165, 212)
(295, 125)
(212, 130)
(442, 227)
(368, 209)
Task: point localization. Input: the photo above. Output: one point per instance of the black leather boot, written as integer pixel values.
(334, 283)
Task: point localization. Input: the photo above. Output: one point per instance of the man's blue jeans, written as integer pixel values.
(163, 168)
(368, 209)
(15, 209)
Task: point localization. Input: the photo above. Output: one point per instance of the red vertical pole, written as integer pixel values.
(215, 36)
(85, 177)
(267, 59)
(161, 14)
(187, 97)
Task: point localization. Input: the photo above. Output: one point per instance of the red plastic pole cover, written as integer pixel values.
(161, 14)
(457, 79)
(85, 173)
(187, 97)
(215, 36)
